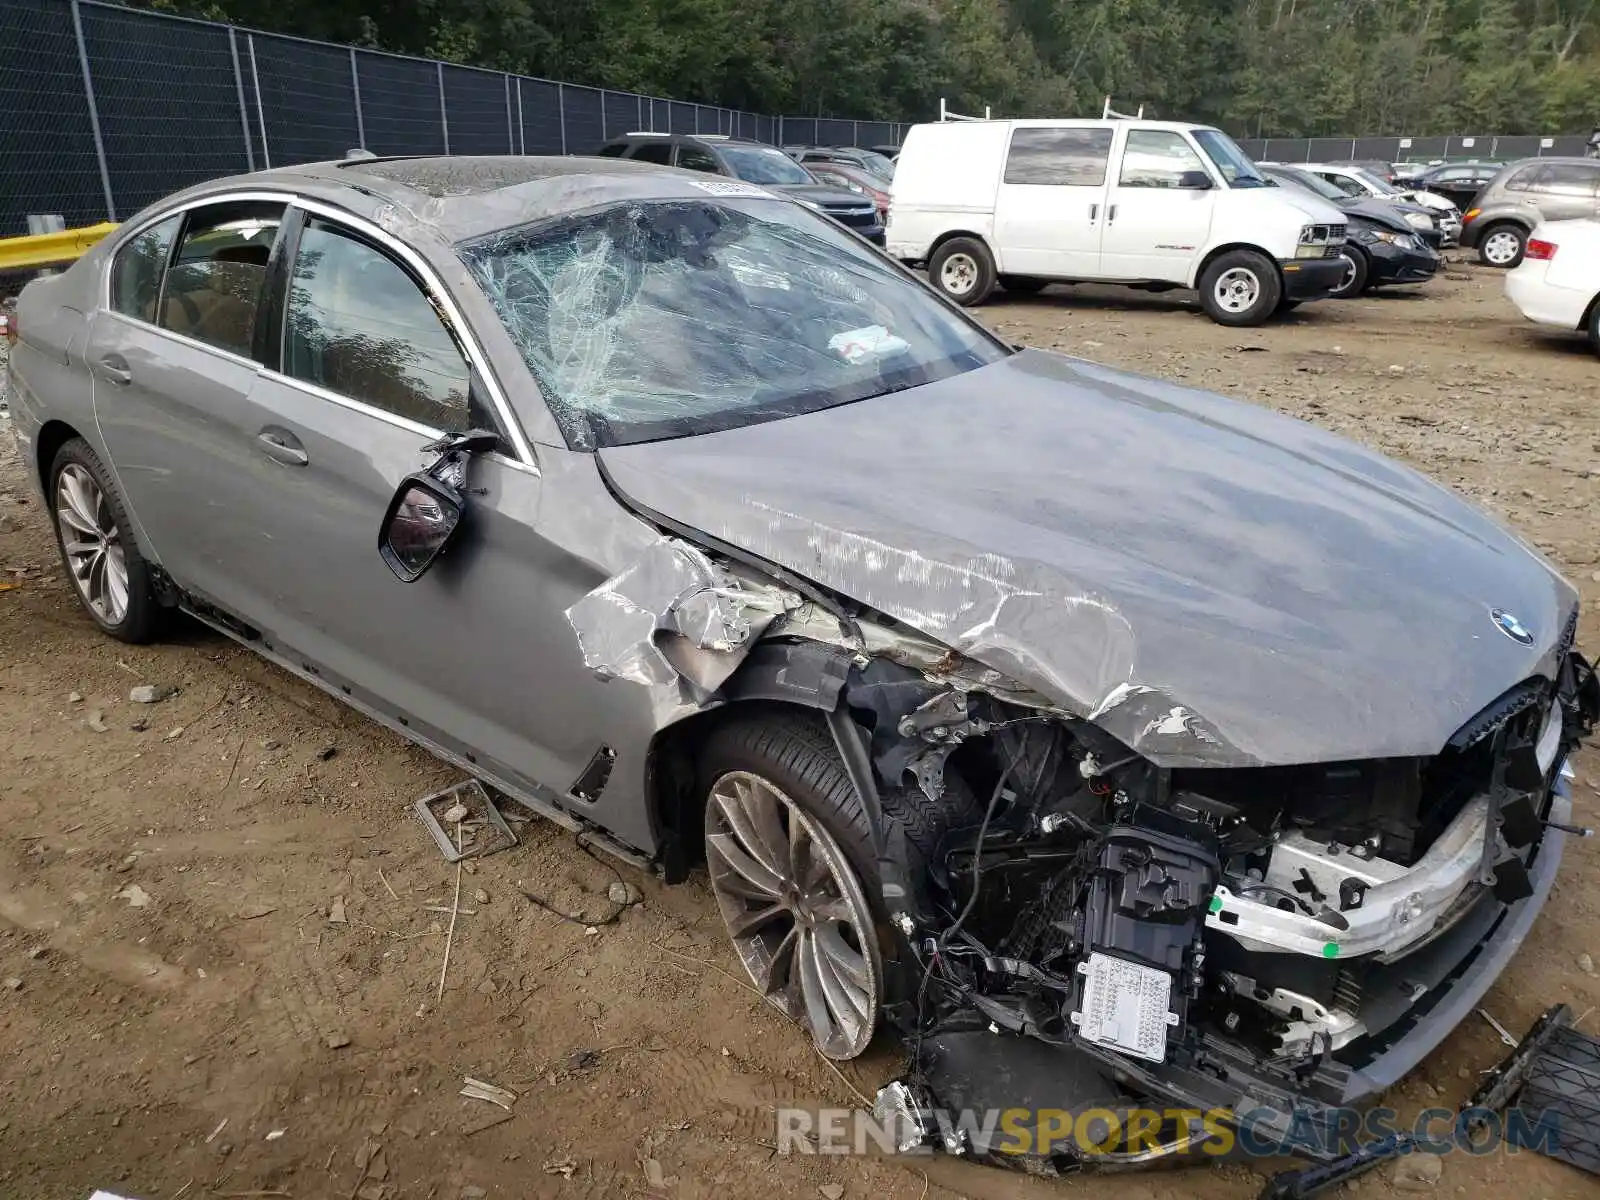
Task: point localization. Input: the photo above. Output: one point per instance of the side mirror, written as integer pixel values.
(427, 507)
(422, 518)
(1195, 181)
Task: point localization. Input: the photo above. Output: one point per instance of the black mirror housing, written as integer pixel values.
(421, 519)
(1195, 181)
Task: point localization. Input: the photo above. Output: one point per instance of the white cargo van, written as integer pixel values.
(1154, 204)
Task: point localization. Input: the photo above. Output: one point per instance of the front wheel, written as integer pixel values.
(1594, 324)
(1241, 287)
(1503, 245)
(1354, 280)
(789, 851)
(963, 270)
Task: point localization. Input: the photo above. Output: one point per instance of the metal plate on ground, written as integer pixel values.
(481, 829)
(1126, 1006)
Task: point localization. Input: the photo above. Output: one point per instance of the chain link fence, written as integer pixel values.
(105, 109)
(1485, 147)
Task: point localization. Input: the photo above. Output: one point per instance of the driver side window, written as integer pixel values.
(359, 325)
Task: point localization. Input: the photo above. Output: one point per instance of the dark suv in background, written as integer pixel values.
(753, 162)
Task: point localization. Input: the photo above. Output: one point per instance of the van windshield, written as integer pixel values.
(1236, 166)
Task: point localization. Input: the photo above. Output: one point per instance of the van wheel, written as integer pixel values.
(1502, 245)
(1355, 275)
(1240, 287)
(1594, 324)
(1023, 285)
(963, 270)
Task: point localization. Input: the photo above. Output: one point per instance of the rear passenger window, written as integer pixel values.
(213, 290)
(1063, 157)
(359, 325)
(693, 158)
(654, 152)
(136, 270)
(613, 149)
(1568, 179)
(1157, 158)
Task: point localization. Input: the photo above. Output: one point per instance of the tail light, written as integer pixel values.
(1470, 215)
(1540, 251)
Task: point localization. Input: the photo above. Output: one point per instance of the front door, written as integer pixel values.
(476, 654)
(1158, 210)
(1050, 207)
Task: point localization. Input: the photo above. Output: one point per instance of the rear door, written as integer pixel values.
(173, 370)
(1158, 214)
(1566, 190)
(1050, 207)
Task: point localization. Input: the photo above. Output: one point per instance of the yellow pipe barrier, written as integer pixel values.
(50, 249)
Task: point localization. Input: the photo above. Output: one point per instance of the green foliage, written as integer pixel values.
(1256, 67)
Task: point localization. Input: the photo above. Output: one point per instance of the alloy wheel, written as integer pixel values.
(93, 544)
(958, 274)
(1501, 247)
(1347, 280)
(1237, 289)
(798, 917)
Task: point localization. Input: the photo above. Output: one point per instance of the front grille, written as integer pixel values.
(856, 218)
(1333, 251)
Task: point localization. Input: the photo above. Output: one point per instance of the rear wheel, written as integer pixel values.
(1356, 271)
(1240, 287)
(1502, 245)
(789, 852)
(1594, 324)
(96, 542)
(963, 270)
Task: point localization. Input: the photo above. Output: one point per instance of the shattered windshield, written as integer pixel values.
(661, 319)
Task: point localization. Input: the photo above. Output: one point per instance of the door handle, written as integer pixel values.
(114, 368)
(1111, 214)
(1094, 213)
(281, 446)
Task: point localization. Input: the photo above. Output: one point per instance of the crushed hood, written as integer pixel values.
(1213, 583)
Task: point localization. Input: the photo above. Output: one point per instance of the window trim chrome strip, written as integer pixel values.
(523, 456)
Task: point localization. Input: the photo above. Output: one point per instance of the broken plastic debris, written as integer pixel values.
(624, 626)
(477, 1089)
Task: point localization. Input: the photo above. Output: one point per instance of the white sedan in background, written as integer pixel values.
(1558, 282)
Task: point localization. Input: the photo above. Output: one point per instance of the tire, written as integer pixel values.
(776, 761)
(1503, 245)
(85, 503)
(1241, 287)
(963, 270)
(1594, 324)
(1023, 285)
(1355, 278)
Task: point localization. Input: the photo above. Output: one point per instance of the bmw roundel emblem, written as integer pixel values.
(1509, 625)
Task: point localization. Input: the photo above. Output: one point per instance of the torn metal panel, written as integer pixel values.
(1213, 584)
(671, 618)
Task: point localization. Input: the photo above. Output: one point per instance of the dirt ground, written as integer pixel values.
(180, 1016)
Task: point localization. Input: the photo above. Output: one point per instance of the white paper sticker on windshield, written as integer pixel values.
(730, 187)
(872, 341)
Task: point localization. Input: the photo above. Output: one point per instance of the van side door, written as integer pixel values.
(1158, 208)
(1050, 206)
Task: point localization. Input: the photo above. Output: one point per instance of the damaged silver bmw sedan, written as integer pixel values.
(1110, 742)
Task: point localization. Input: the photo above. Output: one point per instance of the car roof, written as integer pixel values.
(464, 196)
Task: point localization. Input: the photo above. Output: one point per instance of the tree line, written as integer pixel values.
(1290, 68)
